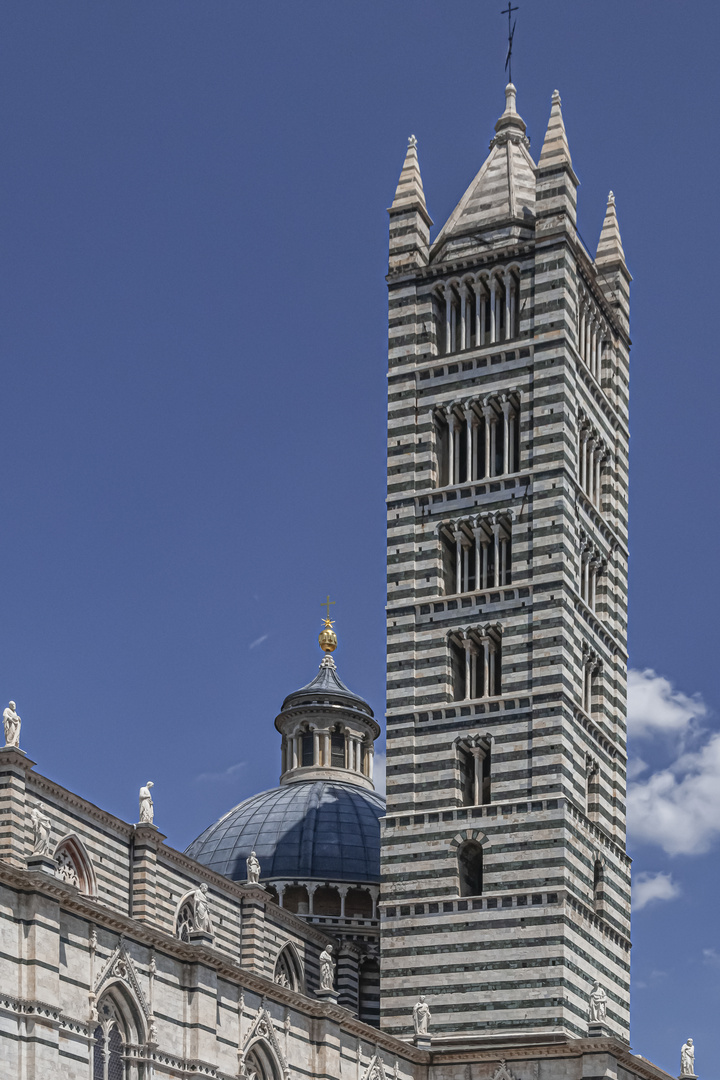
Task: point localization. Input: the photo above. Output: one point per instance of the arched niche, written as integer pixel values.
(73, 865)
(288, 969)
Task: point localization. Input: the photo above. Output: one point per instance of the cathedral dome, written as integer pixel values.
(325, 830)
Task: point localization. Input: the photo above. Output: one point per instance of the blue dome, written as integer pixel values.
(310, 829)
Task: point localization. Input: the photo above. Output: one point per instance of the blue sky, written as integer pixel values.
(192, 366)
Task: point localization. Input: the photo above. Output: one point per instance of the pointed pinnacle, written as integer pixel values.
(610, 249)
(555, 149)
(409, 192)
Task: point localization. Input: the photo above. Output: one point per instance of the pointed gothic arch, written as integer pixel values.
(73, 865)
(289, 969)
(120, 1034)
(260, 1062)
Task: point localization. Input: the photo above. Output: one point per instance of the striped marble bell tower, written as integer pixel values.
(506, 884)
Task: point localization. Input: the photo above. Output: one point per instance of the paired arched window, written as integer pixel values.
(119, 1028)
(470, 868)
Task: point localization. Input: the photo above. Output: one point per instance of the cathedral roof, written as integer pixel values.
(505, 186)
(320, 829)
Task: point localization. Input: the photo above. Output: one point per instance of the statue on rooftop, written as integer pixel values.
(201, 910)
(687, 1059)
(253, 869)
(598, 1004)
(41, 826)
(147, 809)
(327, 969)
(421, 1016)
(12, 722)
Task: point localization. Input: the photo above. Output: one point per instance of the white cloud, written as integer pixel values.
(679, 806)
(648, 887)
(379, 765)
(711, 958)
(226, 774)
(258, 641)
(655, 707)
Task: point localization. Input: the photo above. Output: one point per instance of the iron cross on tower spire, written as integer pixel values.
(511, 34)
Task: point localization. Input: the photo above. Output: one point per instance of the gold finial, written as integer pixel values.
(328, 637)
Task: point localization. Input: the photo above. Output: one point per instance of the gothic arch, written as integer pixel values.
(260, 1062)
(74, 866)
(289, 969)
(120, 1033)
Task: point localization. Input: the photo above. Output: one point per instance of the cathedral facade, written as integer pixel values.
(476, 928)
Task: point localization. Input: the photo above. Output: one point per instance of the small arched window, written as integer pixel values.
(288, 971)
(307, 749)
(185, 922)
(470, 868)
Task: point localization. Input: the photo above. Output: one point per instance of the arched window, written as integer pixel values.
(260, 1064)
(470, 868)
(337, 749)
(296, 899)
(185, 922)
(73, 865)
(119, 1026)
(326, 901)
(598, 876)
(288, 971)
(307, 749)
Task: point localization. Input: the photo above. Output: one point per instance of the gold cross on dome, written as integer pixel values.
(326, 604)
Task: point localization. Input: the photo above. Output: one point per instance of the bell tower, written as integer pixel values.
(506, 883)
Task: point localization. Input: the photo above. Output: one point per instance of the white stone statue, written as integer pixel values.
(253, 869)
(41, 826)
(598, 1004)
(201, 910)
(687, 1059)
(147, 810)
(421, 1016)
(327, 969)
(12, 722)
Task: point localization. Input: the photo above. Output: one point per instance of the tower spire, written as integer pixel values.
(409, 219)
(557, 184)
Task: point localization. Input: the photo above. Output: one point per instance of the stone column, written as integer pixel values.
(448, 319)
(479, 327)
(489, 415)
(316, 747)
(493, 311)
(598, 476)
(493, 669)
(486, 666)
(511, 452)
(590, 472)
(343, 890)
(581, 329)
(497, 529)
(465, 317)
(311, 898)
(370, 761)
(432, 447)
(507, 412)
(583, 458)
(468, 679)
(478, 757)
(326, 748)
(485, 564)
(469, 416)
(451, 446)
(508, 305)
(458, 561)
